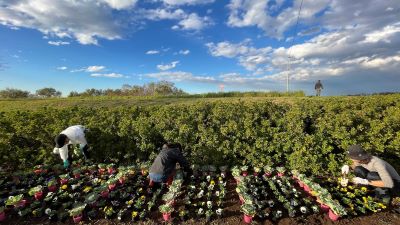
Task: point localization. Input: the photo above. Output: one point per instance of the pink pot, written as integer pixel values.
(245, 173)
(104, 194)
(247, 219)
(52, 188)
(77, 219)
(306, 188)
(39, 195)
(2, 216)
(77, 176)
(301, 184)
(63, 181)
(333, 216)
(241, 199)
(280, 174)
(111, 170)
(267, 174)
(255, 174)
(112, 186)
(324, 208)
(101, 171)
(166, 216)
(121, 181)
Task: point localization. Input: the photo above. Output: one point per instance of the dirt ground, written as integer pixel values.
(233, 216)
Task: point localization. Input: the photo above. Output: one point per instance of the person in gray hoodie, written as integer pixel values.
(163, 168)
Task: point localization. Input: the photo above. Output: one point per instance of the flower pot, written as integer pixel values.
(63, 181)
(301, 184)
(324, 208)
(77, 218)
(247, 219)
(52, 188)
(280, 174)
(255, 174)
(2, 216)
(38, 171)
(77, 176)
(39, 195)
(166, 216)
(121, 181)
(306, 188)
(22, 203)
(241, 199)
(267, 174)
(112, 186)
(333, 216)
(104, 194)
(111, 170)
(244, 173)
(101, 171)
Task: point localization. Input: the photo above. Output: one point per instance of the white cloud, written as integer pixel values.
(109, 75)
(62, 68)
(186, 2)
(58, 43)
(121, 4)
(193, 22)
(382, 35)
(152, 52)
(85, 21)
(180, 76)
(162, 14)
(92, 69)
(184, 52)
(168, 66)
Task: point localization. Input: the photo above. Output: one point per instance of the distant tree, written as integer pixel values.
(48, 92)
(73, 94)
(14, 93)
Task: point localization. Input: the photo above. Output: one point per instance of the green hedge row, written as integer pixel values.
(310, 135)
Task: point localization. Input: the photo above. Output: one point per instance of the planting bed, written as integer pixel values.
(107, 194)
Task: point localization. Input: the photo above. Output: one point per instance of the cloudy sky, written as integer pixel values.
(201, 45)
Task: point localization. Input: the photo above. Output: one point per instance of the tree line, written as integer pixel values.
(153, 88)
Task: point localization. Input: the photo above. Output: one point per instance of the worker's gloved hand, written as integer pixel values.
(344, 182)
(345, 169)
(66, 164)
(56, 151)
(359, 180)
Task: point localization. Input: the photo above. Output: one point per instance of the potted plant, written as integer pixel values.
(52, 185)
(112, 183)
(64, 178)
(37, 192)
(268, 170)
(102, 168)
(2, 214)
(77, 173)
(244, 170)
(92, 198)
(121, 176)
(281, 171)
(103, 190)
(166, 210)
(16, 201)
(257, 170)
(108, 212)
(77, 212)
(249, 212)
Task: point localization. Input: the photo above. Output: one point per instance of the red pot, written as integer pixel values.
(247, 219)
(112, 186)
(244, 173)
(166, 216)
(306, 188)
(333, 216)
(52, 188)
(38, 171)
(101, 171)
(255, 174)
(324, 208)
(111, 170)
(2, 216)
(104, 194)
(77, 219)
(121, 181)
(39, 195)
(77, 176)
(63, 181)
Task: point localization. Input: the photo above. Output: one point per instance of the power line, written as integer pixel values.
(295, 33)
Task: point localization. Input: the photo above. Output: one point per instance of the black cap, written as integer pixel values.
(60, 140)
(357, 152)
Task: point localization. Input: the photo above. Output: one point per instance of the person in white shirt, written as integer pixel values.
(73, 135)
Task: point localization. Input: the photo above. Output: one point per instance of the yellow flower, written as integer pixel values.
(212, 182)
(143, 197)
(64, 187)
(364, 189)
(350, 187)
(87, 189)
(134, 214)
(220, 178)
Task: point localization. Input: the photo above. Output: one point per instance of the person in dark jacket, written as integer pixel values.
(163, 168)
(318, 87)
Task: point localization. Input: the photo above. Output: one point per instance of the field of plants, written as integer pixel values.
(249, 149)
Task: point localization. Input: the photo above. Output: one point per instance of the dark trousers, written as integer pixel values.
(360, 171)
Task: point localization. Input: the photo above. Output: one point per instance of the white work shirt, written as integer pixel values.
(76, 135)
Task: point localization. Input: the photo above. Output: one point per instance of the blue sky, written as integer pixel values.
(352, 46)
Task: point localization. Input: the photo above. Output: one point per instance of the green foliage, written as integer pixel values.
(316, 130)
